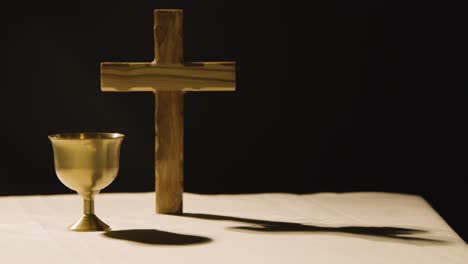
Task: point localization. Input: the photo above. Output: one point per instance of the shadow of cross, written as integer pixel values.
(397, 234)
(168, 77)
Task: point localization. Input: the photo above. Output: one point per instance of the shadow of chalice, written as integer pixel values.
(87, 163)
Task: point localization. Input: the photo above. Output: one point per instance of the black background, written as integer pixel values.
(336, 97)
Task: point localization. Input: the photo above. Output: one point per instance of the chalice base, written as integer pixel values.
(89, 223)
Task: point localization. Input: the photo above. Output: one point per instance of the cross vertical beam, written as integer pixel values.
(169, 125)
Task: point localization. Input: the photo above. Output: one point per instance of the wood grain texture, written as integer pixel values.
(169, 125)
(168, 36)
(169, 167)
(149, 77)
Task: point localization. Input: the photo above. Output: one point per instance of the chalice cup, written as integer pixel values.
(87, 163)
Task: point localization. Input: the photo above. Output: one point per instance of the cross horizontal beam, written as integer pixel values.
(151, 77)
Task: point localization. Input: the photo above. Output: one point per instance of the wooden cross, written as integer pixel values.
(168, 77)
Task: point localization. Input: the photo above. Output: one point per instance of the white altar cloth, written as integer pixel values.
(254, 228)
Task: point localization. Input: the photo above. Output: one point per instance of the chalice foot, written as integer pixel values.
(88, 223)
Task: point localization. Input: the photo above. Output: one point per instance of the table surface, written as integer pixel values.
(253, 228)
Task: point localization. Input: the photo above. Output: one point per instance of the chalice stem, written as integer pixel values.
(88, 206)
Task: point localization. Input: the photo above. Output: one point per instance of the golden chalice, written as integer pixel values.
(87, 163)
